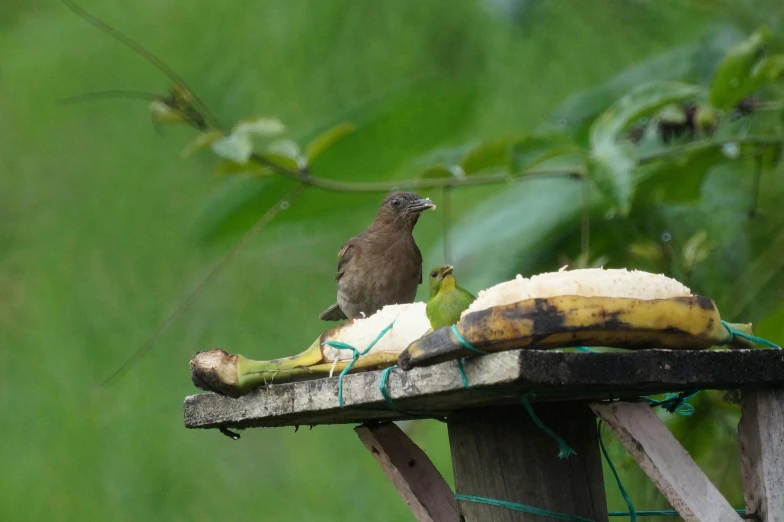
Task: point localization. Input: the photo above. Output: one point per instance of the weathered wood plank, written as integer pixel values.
(414, 476)
(761, 432)
(439, 389)
(666, 462)
(499, 453)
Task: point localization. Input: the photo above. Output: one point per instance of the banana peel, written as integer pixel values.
(691, 322)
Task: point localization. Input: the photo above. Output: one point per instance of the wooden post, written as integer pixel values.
(666, 462)
(414, 476)
(761, 433)
(499, 453)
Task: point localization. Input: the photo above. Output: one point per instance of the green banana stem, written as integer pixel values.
(740, 342)
(235, 375)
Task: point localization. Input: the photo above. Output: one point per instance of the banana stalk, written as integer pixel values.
(235, 375)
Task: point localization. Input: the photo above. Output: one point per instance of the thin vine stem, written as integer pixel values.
(283, 204)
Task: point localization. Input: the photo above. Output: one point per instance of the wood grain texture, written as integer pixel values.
(499, 453)
(666, 462)
(761, 432)
(411, 472)
(439, 389)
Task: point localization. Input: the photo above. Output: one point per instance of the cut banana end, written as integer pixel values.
(691, 322)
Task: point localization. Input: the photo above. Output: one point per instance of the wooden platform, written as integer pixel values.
(553, 375)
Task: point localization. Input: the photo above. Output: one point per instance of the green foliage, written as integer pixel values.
(531, 151)
(95, 208)
(486, 156)
(744, 70)
(327, 138)
(612, 159)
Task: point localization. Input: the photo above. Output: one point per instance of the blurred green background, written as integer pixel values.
(104, 228)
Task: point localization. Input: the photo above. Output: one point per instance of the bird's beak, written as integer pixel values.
(421, 205)
(447, 270)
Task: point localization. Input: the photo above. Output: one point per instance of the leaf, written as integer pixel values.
(234, 147)
(287, 148)
(614, 161)
(678, 179)
(490, 155)
(280, 160)
(696, 249)
(575, 115)
(766, 71)
(535, 149)
(229, 168)
(204, 139)
(262, 126)
(326, 139)
(285, 153)
(731, 82)
(647, 250)
(672, 113)
(435, 172)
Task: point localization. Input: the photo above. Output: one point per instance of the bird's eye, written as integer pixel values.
(396, 203)
(433, 274)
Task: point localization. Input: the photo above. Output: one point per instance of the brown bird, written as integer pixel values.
(382, 265)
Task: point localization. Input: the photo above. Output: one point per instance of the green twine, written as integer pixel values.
(674, 403)
(355, 357)
(521, 508)
(382, 385)
(632, 514)
(737, 333)
(465, 343)
(563, 448)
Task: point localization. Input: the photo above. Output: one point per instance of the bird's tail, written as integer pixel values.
(333, 313)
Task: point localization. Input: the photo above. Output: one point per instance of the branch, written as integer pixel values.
(680, 150)
(303, 176)
(576, 172)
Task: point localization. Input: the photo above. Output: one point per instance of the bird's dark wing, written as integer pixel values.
(345, 255)
(419, 262)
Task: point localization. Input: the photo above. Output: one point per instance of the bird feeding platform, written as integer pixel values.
(503, 452)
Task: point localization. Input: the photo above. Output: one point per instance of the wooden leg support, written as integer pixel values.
(666, 462)
(499, 453)
(413, 474)
(761, 432)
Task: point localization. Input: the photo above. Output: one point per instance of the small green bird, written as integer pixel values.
(447, 300)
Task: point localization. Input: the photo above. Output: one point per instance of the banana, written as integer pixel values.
(691, 322)
(235, 375)
(591, 307)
